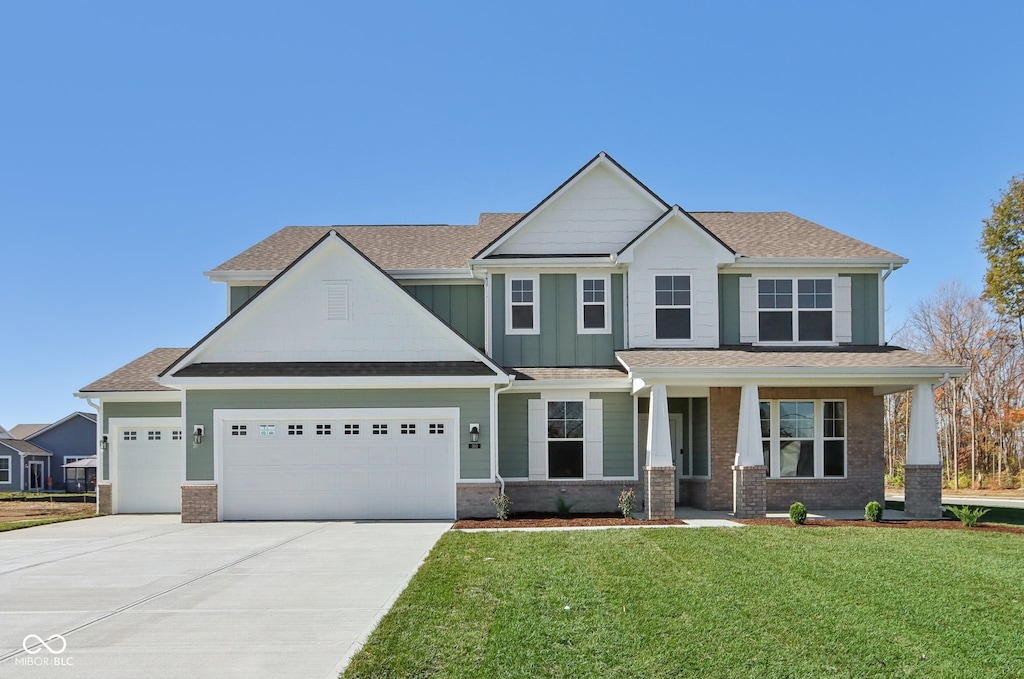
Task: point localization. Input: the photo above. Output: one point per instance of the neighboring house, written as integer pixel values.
(33, 456)
(604, 339)
(4, 434)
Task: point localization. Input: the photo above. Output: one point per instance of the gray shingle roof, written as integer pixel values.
(881, 358)
(337, 369)
(532, 374)
(139, 375)
(26, 447)
(23, 431)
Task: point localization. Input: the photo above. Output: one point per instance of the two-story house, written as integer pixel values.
(604, 339)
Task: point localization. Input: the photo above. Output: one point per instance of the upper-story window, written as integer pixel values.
(594, 314)
(673, 308)
(521, 310)
(794, 309)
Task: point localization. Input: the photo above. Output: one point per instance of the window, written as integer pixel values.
(565, 439)
(672, 308)
(436, 428)
(294, 430)
(325, 429)
(129, 436)
(239, 430)
(5, 469)
(780, 320)
(268, 429)
(380, 430)
(67, 472)
(521, 310)
(153, 435)
(804, 439)
(594, 307)
(408, 429)
(351, 429)
(176, 435)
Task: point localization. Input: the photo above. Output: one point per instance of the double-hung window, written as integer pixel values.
(594, 306)
(804, 439)
(521, 309)
(791, 309)
(565, 439)
(673, 308)
(5, 469)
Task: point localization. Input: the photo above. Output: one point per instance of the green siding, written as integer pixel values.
(699, 429)
(729, 308)
(864, 301)
(513, 435)
(240, 294)
(460, 306)
(558, 343)
(145, 409)
(617, 432)
(473, 404)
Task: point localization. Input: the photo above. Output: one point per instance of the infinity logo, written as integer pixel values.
(36, 641)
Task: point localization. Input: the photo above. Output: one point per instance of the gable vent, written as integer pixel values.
(337, 301)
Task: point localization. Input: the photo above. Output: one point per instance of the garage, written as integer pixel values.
(338, 464)
(149, 465)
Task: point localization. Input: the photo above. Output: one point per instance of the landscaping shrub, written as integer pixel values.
(798, 513)
(627, 502)
(873, 512)
(563, 507)
(968, 515)
(501, 504)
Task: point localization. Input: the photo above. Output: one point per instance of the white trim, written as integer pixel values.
(794, 310)
(671, 341)
(605, 329)
(114, 425)
(607, 384)
(535, 304)
(560, 264)
(582, 400)
(30, 465)
(790, 262)
(366, 382)
(166, 396)
(626, 254)
(818, 438)
(10, 468)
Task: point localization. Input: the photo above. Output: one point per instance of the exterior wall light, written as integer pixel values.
(104, 443)
(197, 434)
(474, 435)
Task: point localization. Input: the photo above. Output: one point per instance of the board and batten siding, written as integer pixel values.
(473, 405)
(513, 435)
(558, 344)
(460, 306)
(729, 307)
(121, 409)
(618, 432)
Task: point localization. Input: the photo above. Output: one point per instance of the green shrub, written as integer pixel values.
(873, 512)
(563, 507)
(968, 515)
(501, 504)
(627, 502)
(798, 513)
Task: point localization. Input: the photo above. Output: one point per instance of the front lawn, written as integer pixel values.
(748, 602)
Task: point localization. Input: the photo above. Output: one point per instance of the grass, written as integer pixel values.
(15, 525)
(1008, 515)
(59, 497)
(709, 603)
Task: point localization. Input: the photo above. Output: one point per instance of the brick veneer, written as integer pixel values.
(923, 487)
(865, 465)
(750, 493)
(542, 496)
(473, 500)
(661, 492)
(104, 498)
(199, 503)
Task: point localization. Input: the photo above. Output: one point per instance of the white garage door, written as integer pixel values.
(338, 467)
(150, 468)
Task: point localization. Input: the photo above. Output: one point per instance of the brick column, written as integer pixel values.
(749, 491)
(923, 491)
(104, 498)
(661, 492)
(199, 503)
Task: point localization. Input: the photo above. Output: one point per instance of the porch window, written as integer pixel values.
(594, 309)
(766, 435)
(796, 438)
(672, 307)
(521, 309)
(804, 439)
(565, 439)
(805, 316)
(5, 469)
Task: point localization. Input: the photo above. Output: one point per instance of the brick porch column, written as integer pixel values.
(749, 492)
(104, 498)
(659, 473)
(923, 488)
(199, 503)
(923, 471)
(661, 492)
(749, 485)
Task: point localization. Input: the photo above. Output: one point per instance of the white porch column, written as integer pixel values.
(749, 452)
(922, 475)
(659, 441)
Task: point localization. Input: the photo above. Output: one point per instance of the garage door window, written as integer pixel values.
(380, 430)
(176, 435)
(267, 430)
(350, 429)
(153, 436)
(325, 430)
(408, 428)
(436, 428)
(239, 430)
(294, 430)
(130, 436)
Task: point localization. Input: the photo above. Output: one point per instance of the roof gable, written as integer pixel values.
(60, 423)
(691, 230)
(596, 211)
(331, 305)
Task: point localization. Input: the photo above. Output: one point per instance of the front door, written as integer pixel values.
(35, 475)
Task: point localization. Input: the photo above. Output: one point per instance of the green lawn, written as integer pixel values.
(749, 602)
(14, 525)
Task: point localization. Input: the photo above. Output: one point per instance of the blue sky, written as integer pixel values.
(144, 143)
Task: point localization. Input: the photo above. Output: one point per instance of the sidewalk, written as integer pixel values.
(1009, 502)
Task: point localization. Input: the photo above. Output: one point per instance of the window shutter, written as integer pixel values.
(843, 309)
(593, 440)
(538, 438)
(748, 309)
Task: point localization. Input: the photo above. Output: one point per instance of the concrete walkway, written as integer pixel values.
(980, 501)
(147, 596)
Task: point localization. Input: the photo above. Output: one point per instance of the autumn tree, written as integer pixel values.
(1002, 243)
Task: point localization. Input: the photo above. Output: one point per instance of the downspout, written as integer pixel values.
(494, 430)
(881, 304)
(945, 379)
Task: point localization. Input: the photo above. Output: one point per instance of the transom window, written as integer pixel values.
(594, 309)
(5, 469)
(324, 429)
(239, 430)
(294, 430)
(268, 429)
(129, 436)
(380, 429)
(351, 430)
(673, 308)
(804, 439)
(565, 439)
(521, 314)
(436, 428)
(153, 435)
(809, 319)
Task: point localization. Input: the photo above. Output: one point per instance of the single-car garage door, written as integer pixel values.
(349, 465)
(150, 468)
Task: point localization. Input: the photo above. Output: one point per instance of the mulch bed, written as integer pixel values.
(833, 523)
(540, 520)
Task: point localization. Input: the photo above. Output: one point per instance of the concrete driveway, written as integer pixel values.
(147, 596)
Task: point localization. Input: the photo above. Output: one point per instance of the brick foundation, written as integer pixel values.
(661, 492)
(199, 503)
(542, 496)
(923, 491)
(104, 498)
(473, 500)
(750, 492)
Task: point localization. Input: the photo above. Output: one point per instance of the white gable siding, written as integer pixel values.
(598, 214)
(675, 248)
(304, 317)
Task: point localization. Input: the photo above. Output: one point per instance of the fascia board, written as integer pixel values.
(416, 274)
(626, 253)
(398, 382)
(574, 263)
(254, 275)
(132, 396)
(621, 384)
(824, 262)
(721, 377)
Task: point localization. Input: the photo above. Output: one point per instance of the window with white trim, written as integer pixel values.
(239, 430)
(794, 309)
(351, 430)
(521, 309)
(380, 430)
(129, 436)
(176, 435)
(594, 312)
(804, 439)
(565, 439)
(153, 435)
(407, 428)
(294, 430)
(5, 468)
(673, 308)
(323, 430)
(436, 428)
(67, 460)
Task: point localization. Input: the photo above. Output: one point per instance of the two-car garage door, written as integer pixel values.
(348, 464)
